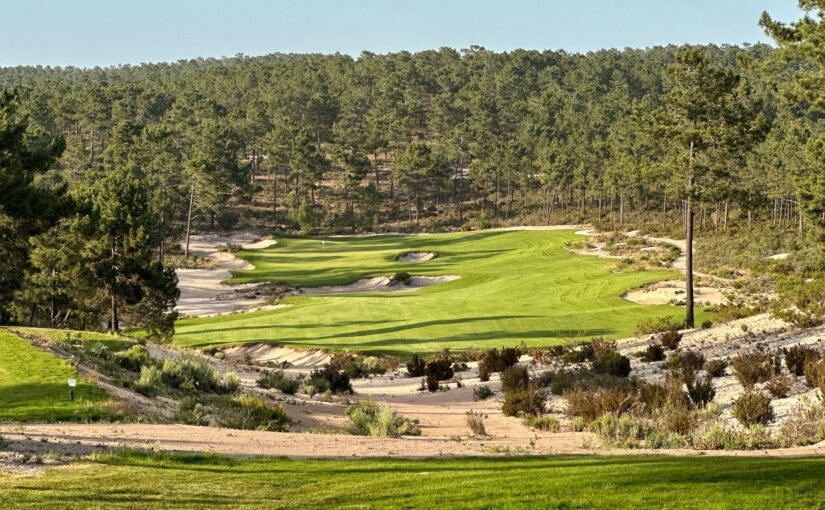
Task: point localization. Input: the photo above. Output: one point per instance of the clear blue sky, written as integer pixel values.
(107, 32)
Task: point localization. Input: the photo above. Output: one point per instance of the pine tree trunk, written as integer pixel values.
(689, 305)
(189, 220)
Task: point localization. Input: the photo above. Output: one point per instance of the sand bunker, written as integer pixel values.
(779, 256)
(416, 256)
(202, 293)
(262, 353)
(377, 284)
(673, 292)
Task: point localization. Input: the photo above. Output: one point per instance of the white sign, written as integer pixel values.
(72, 383)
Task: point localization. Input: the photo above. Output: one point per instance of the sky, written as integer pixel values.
(88, 33)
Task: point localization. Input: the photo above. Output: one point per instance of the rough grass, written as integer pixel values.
(112, 343)
(197, 481)
(34, 386)
(514, 286)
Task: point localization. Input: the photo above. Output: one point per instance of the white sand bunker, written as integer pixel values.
(416, 256)
(377, 284)
(201, 292)
(674, 292)
(262, 353)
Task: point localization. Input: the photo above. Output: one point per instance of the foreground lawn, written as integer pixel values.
(34, 386)
(154, 481)
(514, 286)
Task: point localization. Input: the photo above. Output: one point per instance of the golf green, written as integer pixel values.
(514, 286)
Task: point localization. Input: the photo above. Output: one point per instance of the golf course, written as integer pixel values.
(513, 287)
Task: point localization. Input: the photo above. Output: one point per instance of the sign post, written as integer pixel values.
(72, 384)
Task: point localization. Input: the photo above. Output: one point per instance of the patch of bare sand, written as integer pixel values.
(377, 284)
(263, 353)
(674, 291)
(416, 256)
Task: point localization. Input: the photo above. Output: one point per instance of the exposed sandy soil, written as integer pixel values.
(262, 353)
(83, 439)
(202, 291)
(673, 291)
(416, 256)
(377, 284)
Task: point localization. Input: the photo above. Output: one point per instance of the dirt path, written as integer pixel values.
(78, 439)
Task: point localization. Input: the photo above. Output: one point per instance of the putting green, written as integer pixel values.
(515, 286)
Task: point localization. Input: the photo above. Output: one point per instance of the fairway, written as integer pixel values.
(194, 481)
(34, 386)
(514, 286)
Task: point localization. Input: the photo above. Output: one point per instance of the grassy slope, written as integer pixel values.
(138, 480)
(514, 286)
(34, 386)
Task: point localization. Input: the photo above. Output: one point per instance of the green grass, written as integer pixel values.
(34, 386)
(514, 286)
(177, 481)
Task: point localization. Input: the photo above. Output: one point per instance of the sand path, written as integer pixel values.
(80, 439)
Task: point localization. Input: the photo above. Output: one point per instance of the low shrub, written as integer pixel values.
(651, 325)
(701, 391)
(482, 392)
(815, 374)
(716, 367)
(797, 356)
(514, 379)
(133, 358)
(610, 362)
(369, 418)
(654, 352)
(400, 277)
(578, 424)
(753, 407)
(149, 381)
(779, 385)
(653, 396)
(191, 412)
(579, 354)
(231, 382)
(602, 345)
(677, 419)
(545, 423)
(494, 360)
(805, 424)
(440, 369)
(431, 382)
(620, 431)
(246, 412)
(475, 421)
(670, 339)
(277, 379)
(328, 379)
(707, 324)
(416, 365)
(190, 373)
(509, 356)
(752, 367)
(687, 361)
(592, 403)
(562, 381)
(524, 402)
